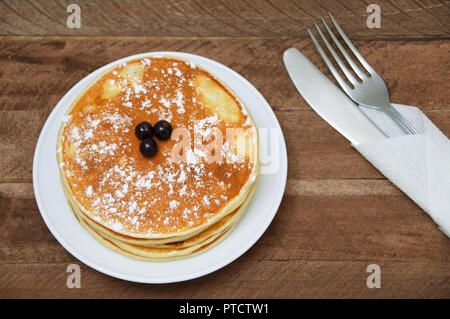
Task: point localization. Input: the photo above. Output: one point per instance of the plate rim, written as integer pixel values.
(178, 278)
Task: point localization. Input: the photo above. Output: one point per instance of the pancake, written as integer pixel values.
(127, 253)
(167, 253)
(187, 196)
(177, 242)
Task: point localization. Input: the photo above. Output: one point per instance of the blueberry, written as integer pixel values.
(148, 147)
(163, 130)
(143, 130)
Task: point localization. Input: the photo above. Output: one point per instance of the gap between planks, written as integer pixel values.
(266, 260)
(305, 36)
(294, 187)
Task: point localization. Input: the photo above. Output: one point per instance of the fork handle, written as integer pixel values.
(404, 123)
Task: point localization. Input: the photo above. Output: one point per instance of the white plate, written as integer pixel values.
(66, 229)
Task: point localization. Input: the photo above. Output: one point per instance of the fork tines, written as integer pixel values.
(350, 77)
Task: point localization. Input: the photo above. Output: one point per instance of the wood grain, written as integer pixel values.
(219, 18)
(316, 150)
(317, 246)
(321, 226)
(244, 278)
(35, 74)
(338, 215)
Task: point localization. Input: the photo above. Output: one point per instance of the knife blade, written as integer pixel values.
(328, 101)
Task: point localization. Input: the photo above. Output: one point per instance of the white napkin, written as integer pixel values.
(418, 164)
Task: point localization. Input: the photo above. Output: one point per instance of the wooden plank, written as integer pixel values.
(352, 227)
(316, 150)
(222, 18)
(35, 74)
(242, 279)
(19, 132)
(314, 222)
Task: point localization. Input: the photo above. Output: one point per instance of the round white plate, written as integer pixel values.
(59, 219)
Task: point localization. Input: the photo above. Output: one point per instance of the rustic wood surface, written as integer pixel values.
(338, 215)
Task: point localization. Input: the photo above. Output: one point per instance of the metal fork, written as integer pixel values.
(371, 90)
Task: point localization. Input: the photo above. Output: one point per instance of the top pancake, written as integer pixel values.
(174, 192)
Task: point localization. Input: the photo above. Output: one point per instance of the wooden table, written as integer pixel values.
(338, 215)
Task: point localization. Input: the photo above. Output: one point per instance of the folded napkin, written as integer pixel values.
(417, 164)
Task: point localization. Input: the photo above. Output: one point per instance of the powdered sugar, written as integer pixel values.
(127, 193)
(89, 191)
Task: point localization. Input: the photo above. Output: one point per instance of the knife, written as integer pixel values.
(328, 101)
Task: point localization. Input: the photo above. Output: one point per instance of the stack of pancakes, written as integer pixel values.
(186, 198)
